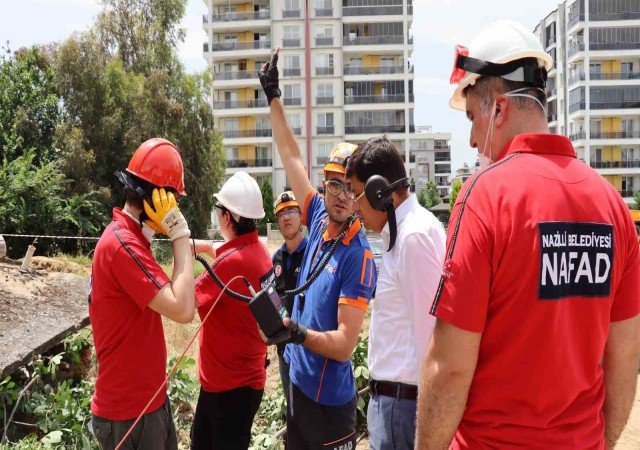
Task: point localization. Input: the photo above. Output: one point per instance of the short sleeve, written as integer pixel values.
(313, 211)
(358, 278)
(626, 300)
(462, 297)
(136, 271)
(207, 290)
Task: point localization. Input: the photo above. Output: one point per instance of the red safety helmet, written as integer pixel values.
(158, 161)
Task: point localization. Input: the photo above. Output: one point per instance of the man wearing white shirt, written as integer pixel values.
(401, 325)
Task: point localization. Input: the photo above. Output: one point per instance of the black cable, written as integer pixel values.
(219, 282)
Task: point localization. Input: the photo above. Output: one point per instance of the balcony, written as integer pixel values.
(627, 15)
(374, 129)
(372, 40)
(205, 47)
(365, 99)
(230, 134)
(387, 10)
(575, 48)
(615, 76)
(614, 134)
(374, 70)
(575, 19)
(551, 92)
(292, 101)
(236, 163)
(412, 158)
(324, 100)
(579, 76)
(616, 105)
(235, 75)
(443, 168)
(626, 193)
(619, 164)
(552, 117)
(324, 70)
(578, 136)
(324, 12)
(325, 130)
(442, 156)
(324, 40)
(234, 104)
(294, 42)
(295, 72)
(579, 106)
(297, 131)
(230, 46)
(614, 45)
(322, 159)
(264, 14)
(290, 13)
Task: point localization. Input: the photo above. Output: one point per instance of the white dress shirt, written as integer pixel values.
(401, 326)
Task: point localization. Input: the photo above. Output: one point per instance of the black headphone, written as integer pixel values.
(379, 195)
(379, 192)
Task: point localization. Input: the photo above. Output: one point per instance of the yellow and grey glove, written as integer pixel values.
(165, 216)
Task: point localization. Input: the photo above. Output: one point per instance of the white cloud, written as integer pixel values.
(91, 4)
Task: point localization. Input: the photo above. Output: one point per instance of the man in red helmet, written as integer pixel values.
(129, 294)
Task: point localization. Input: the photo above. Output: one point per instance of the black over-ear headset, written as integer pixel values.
(379, 195)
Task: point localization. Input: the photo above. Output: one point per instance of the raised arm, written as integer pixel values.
(283, 134)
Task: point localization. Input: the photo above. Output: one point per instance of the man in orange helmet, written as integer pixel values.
(129, 294)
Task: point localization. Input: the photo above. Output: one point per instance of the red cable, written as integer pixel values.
(173, 369)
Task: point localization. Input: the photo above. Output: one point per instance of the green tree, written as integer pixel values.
(29, 111)
(428, 197)
(455, 188)
(267, 203)
(636, 198)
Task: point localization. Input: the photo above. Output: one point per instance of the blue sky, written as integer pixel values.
(438, 26)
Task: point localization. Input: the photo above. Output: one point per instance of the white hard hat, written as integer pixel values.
(499, 50)
(241, 195)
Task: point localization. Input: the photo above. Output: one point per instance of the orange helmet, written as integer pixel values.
(285, 200)
(338, 157)
(158, 161)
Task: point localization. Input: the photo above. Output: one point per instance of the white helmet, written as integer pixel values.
(500, 49)
(241, 195)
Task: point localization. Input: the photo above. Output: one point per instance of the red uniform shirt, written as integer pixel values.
(542, 256)
(128, 335)
(232, 355)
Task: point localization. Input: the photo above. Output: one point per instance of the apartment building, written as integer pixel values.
(464, 172)
(594, 87)
(430, 159)
(346, 75)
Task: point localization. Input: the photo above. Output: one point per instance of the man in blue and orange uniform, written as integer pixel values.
(232, 355)
(287, 261)
(327, 318)
(537, 338)
(130, 292)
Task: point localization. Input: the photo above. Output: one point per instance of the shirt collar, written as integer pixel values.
(247, 238)
(327, 235)
(403, 209)
(539, 143)
(301, 246)
(130, 224)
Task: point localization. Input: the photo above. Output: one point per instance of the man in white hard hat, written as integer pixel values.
(536, 343)
(328, 316)
(232, 355)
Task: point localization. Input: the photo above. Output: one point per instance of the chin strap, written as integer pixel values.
(393, 226)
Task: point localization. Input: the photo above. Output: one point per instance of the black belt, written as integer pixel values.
(395, 390)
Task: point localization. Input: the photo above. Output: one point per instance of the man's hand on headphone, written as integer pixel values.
(165, 216)
(269, 77)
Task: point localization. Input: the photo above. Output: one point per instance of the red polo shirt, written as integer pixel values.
(542, 256)
(232, 355)
(128, 336)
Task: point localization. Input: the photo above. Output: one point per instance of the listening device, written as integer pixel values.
(268, 310)
(379, 192)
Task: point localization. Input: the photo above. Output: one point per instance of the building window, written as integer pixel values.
(324, 31)
(291, 5)
(292, 91)
(291, 32)
(292, 62)
(325, 90)
(233, 153)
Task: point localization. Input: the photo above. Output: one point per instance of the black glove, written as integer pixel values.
(269, 79)
(295, 333)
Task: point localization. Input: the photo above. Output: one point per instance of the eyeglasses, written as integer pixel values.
(357, 199)
(335, 187)
(287, 212)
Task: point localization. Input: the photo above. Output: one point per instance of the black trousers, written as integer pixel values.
(155, 431)
(312, 426)
(223, 419)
